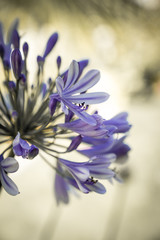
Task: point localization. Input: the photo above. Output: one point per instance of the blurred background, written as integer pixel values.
(122, 39)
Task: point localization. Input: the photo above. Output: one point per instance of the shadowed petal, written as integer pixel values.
(61, 190)
(8, 184)
(10, 164)
(96, 187)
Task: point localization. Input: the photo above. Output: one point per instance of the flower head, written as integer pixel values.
(51, 117)
(67, 92)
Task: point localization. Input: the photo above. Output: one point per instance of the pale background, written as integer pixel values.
(121, 39)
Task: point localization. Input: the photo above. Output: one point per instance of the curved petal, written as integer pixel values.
(81, 113)
(96, 187)
(102, 172)
(72, 74)
(10, 164)
(8, 184)
(88, 81)
(89, 98)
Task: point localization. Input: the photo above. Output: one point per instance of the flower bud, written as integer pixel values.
(52, 105)
(75, 143)
(15, 39)
(33, 152)
(25, 49)
(59, 62)
(16, 60)
(50, 44)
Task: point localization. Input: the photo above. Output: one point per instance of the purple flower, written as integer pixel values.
(8, 165)
(22, 148)
(85, 129)
(74, 92)
(119, 123)
(31, 114)
(81, 175)
(105, 146)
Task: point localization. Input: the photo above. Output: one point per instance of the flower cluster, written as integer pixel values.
(51, 116)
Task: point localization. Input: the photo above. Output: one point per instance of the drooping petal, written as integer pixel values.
(8, 184)
(80, 113)
(86, 129)
(79, 172)
(77, 169)
(102, 172)
(99, 149)
(61, 189)
(120, 122)
(33, 152)
(9, 164)
(102, 159)
(20, 146)
(96, 187)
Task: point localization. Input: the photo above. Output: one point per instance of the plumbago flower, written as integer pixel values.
(51, 116)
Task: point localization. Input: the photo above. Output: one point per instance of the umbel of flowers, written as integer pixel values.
(36, 118)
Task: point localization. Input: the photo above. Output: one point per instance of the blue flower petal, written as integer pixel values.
(59, 85)
(9, 164)
(8, 184)
(72, 74)
(96, 187)
(61, 189)
(89, 98)
(85, 83)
